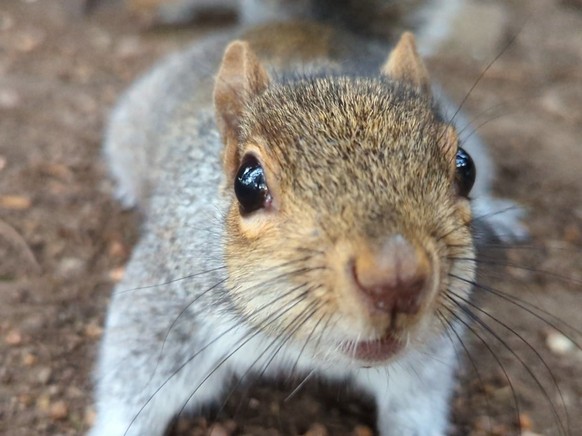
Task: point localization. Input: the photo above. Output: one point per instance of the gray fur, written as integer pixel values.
(429, 19)
(173, 338)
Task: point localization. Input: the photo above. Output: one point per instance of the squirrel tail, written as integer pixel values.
(380, 19)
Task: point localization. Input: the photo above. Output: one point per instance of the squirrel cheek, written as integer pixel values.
(464, 211)
(252, 227)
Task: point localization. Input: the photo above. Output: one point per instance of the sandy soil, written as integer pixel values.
(64, 241)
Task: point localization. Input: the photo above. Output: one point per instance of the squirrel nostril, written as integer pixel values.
(393, 278)
(402, 296)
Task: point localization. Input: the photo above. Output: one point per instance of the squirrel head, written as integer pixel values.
(348, 207)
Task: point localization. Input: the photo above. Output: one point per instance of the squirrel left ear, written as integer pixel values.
(241, 76)
(406, 65)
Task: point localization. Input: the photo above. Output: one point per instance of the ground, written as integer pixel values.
(64, 241)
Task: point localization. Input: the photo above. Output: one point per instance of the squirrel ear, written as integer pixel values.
(405, 64)
(240, 77)
(449, 143)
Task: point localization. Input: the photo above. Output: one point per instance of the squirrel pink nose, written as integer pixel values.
(393, 277)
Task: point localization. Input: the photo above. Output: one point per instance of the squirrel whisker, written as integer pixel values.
(529, 308)
(479, 321)
(491, 351)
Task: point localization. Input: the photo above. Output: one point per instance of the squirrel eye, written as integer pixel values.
(250, 186)
(466, 173)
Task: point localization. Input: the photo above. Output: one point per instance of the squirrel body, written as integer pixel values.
(333, 261)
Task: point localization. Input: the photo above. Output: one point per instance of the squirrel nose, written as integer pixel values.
(393, 277)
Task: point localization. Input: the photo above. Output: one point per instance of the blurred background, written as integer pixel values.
(64, 241)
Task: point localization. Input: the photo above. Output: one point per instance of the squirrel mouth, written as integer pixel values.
(377, 350)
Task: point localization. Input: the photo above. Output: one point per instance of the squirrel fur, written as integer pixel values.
(380, 19)
(341, 272)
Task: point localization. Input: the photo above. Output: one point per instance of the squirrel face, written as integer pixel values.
(348, 206)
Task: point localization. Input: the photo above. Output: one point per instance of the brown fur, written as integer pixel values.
(349, 161)
(240, 75)
(405, 64)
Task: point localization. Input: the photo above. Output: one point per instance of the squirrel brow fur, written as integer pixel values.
(333, 138)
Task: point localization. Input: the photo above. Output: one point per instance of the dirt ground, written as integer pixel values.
(64, 241)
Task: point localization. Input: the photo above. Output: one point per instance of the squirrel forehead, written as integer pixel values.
(334, 141)
(347, 122)
(352, 112)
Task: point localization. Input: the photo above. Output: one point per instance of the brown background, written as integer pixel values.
(64, 241)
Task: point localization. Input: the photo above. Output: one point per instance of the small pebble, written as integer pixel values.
(317, 430)
(483, 425)
(29, 359)
(27, 42)
(93, 330)
(525, 422)
(274, 408)
(43, 375)
(182, 426)
(25, 400)
(73, 392)
(143, 5)
(559, 344)
(13, 337)
(572, 233)
(363, 430)
(89, 416)
(54, 390)
(116, 274)
(58, 410)
(70, 267)
(128, 47)
(218, 429)
(43, 403)
(254, 403)
(231, 425)
(15, 202)
(117, 249)
(9, 99)
(6, 22)
(58, 171)
(101, 40)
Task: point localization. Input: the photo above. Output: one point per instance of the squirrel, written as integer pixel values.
(306, 208)
(379, 19)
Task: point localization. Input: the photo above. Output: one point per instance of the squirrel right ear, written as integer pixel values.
(241, 76)
(406, 65)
